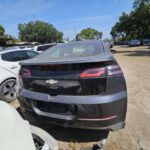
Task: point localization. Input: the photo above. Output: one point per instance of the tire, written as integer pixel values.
(42, 139)
(8, 90)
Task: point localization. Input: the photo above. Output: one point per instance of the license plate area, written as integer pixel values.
(56, 108)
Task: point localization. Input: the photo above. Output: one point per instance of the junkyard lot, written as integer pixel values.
(135, 63)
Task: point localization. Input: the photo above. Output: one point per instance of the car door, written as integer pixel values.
(10, 60)
(8, 63)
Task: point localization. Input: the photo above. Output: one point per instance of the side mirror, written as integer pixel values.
(113, 51)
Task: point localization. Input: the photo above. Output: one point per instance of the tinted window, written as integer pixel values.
(11, 48)
(44, 47)
(18, 55)
(72, 50)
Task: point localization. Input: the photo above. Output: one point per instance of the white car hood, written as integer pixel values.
(15, 133)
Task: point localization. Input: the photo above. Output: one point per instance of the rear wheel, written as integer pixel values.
(8, 90)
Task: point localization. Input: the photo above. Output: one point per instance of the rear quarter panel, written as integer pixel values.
(4, 75)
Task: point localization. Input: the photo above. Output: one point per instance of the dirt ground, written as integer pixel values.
(135, 63)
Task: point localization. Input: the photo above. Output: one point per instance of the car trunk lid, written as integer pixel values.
(65, 79)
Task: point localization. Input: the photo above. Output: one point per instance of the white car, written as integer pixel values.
(9, 68)
(134, 43)
(19, 48)
(18, 134)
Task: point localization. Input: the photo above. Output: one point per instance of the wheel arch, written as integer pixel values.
(7, 79)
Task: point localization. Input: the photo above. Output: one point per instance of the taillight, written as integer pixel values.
(113, 70)
(95, 72)
(25, 73)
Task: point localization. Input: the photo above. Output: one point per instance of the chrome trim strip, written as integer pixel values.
(97, 119)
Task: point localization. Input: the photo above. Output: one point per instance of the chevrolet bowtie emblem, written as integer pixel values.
(51, 81)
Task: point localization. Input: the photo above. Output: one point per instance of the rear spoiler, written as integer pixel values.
(67, 61)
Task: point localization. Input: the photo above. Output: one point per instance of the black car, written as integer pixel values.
(77, 84)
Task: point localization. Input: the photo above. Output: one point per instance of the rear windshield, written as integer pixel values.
(72, 50)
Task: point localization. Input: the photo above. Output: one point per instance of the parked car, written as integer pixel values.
(135, 43)
(108, 44)
(78, 84)
(146, 42)
(122, 43)
(1, 48)
(18, 134)
(41, 48)
(9, 68)
(19, 48)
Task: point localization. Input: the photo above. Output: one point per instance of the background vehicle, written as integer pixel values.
(122, 43)
(19, 48)
(18, 134)
(78, 84)
(146, 42)
(135, 43)
(108, 44)
(41, 48)
(1, 48)
(9, 68)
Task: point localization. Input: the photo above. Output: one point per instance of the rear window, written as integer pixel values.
(72, 50)
(18, 55)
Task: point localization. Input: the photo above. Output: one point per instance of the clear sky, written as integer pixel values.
(65, 15)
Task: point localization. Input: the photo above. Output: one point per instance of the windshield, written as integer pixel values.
(72, 50)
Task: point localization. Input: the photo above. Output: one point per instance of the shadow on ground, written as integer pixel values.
(75, 135)
(143, 52)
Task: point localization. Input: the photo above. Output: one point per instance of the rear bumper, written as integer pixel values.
(105, 112)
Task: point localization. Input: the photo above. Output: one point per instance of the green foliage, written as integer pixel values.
(2, 30)
(40, 32)
(6, 39)
(138, 3)
(89, 33)
(108, 40)
(135, 25)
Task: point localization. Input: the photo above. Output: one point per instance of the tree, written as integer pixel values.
(122, 29)
(135, 25)
(6, 39)
(39, 31)
(2, 30)
(138, 3)
(108, 40)
(89, 33)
